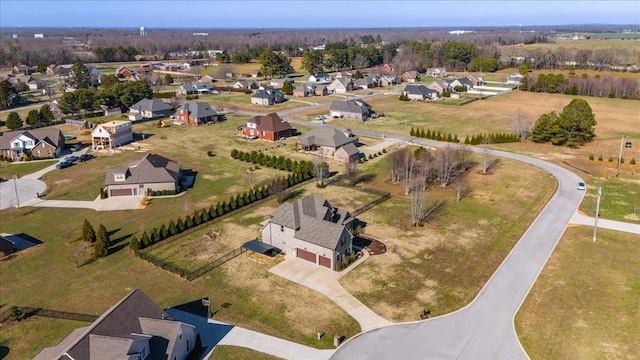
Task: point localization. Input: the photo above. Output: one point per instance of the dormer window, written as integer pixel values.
(119, 177)
(143, 352)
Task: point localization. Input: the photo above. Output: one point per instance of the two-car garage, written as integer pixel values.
(312, 257)
(121, 192)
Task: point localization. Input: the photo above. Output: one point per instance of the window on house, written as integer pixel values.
(49, 152)
(38, 153)
(43, 145)
(141, 186)
(143, 352)
(118, 177)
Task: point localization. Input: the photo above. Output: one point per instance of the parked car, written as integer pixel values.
(76, 147)
(63, 164)
(85, 157)
(582, 186)
(71, 158)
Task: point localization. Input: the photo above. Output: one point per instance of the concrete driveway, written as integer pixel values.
(17, 192)
(327, 283)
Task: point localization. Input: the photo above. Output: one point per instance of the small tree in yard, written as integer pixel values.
(321, 167)
(351, 172)
(134, 243)
(13, 121)
(88, 234)
(144, 240)
(101, 246)
(278, 189)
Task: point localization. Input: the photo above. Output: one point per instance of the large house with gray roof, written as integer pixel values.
(351, 109)
(196, 113)
(419, 92)
(311, 229)
(151, 173)
(134, 328)
(38, 143)
(151, 108)
(331, 142)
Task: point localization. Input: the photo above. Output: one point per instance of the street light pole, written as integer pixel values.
(620, 154)
(595, 224)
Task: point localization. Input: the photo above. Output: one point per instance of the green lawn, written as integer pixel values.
(9, 170)
(586, 302)
(620, 198)
(227, 352)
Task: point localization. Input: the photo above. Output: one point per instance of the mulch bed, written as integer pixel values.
(373, 246)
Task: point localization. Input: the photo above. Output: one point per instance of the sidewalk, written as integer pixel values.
(580, 219)
(108, 204)
(327, 283)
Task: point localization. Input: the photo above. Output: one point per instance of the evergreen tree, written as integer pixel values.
(428, 134)
(134, 243)
(204, 215)
(172, 229)
(163, 232)
(100, 247)
(88, 234)
(422, 133)
(219, 209)
(13, 121)
(412, 132)
(180, 226)
(197, 218)
(154, 237)
(188, 222)
(144, 240)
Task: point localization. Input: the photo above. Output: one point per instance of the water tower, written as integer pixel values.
(143, 32)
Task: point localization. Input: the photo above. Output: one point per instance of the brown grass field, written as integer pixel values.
(586, 302)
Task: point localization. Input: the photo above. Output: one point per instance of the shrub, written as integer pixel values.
(621, 160)
(103, 193)
(633, 161)
(370, 156)
(610, 159)
(134, 243)
(591, 157)
(384, 151)
(600, 157)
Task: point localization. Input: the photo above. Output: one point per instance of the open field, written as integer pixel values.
(444, 264)
(9, 170)
(26, 338)
(620, 198)
(576, 45)
(585, 303)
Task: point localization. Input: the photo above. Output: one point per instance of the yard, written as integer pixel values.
(585, 303)
(443, 265)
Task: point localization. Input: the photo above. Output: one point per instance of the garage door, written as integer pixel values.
(120, 192)
(307, 255)
(325, 261)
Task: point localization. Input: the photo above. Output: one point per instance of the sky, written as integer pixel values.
(204, 14)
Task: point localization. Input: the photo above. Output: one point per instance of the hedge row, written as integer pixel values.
(198, 217)
(493, 139)
(305, 168)
(433, 135)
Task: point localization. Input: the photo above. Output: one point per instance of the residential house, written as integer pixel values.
(410, 76)
(111, 134)
(24, 69)
(463, 81)
(436, 72)
(350, 109)
(134, 328)
(39, 143)
(267, 97)
(320, 77)
(439, 85)
(366, 82)
(331, 142)
(112, 111)
(269, 127)
(246, 85)
(388, 80)
(151, 173)
(303, 90)
(321, 90)
(196, 113)
(387, 69)
(207, 79)
(279, 83)
(58, 70)
(515, 79)
(125, 72)
(151, 108)
(19, 80)
(35, 84)
(194, 89)
(340, 86)
(311, 229)
(344, 74)
(476, 80)
(419, 92)
(255, 73)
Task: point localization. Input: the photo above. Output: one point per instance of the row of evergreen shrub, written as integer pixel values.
(433, 135)
(303, 167)
(492, 139)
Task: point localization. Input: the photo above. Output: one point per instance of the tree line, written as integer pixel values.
(88, 100)
(584, 85)
(573, 126)
(35, 117)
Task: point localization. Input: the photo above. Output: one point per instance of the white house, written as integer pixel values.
(320, 77)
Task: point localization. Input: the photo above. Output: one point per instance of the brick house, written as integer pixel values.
(269, 127)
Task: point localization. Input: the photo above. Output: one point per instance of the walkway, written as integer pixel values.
(581, 219)
(213, 333)
(327, 283)
(108, 204)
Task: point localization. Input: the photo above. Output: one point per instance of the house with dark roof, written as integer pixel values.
(476, 80)
(58, 70)
(303, 90)
(269, 127)
(267, 97)
(246, 85)
(39, 143)
(194, 89)
(387, 80)
(459, 82)
(439, 85)
(419, 92)
(111, 134)
(134, 328)
(331, 142)
(151, 108)
(320, 77)
(351, 109)
(151, 173)
(196, 113)
(311, 229)
(24, 69)
(366, 82)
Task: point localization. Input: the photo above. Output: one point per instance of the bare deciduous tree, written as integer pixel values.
(521, 125)
(407, 171)
(321, 166)
(251, 177)
(445, 165)
(462, 187)
(487, 159)
(463, 157)
(394, 162)
(351, 172)
(278, 188)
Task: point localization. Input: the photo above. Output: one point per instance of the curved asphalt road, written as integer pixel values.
(483, 329)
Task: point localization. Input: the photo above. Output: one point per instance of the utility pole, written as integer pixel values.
(595, 225)
(15, 188)
(620, 154)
